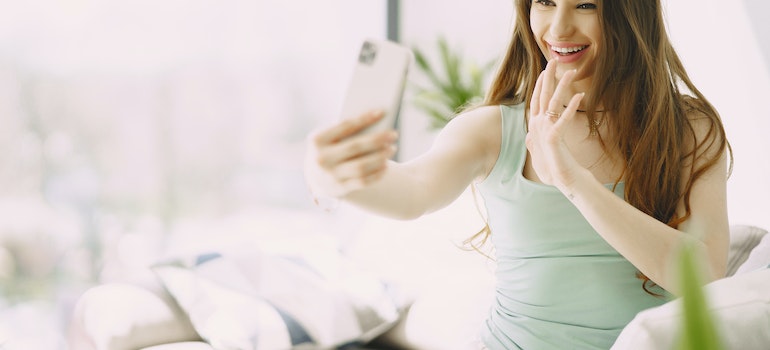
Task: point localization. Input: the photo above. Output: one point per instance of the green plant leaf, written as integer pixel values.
(698, 331)
(425, 67)
(456, 85)
(438, 113)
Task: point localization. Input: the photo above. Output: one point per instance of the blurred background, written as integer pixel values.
(131, 130)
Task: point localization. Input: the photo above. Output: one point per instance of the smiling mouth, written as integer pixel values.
(566, 51)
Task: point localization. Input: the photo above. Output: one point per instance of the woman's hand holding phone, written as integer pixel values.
(354, 153)
(341, 159)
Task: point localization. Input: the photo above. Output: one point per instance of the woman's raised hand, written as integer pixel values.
(339, 160)
(551, 159)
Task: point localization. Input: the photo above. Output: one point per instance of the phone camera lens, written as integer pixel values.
(368, 53)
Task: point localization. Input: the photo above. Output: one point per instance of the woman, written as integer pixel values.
(596, 157)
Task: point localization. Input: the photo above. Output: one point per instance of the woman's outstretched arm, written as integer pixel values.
(343, 164)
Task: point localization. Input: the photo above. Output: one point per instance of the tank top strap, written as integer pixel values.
(512, 153)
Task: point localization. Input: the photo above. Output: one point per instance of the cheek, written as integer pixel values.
(538, 30)
(536, 23)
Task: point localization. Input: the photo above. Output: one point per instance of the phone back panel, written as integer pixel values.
(378, 82)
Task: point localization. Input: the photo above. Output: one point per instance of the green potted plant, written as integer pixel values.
(453, 84)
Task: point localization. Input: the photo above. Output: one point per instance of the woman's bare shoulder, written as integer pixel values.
(477, 130)
(708, 142)
(476, 125)
(482, 117)
(704, 120)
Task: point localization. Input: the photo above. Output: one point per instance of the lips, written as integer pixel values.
(568, 50)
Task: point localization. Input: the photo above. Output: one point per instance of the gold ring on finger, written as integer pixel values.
(553, 115)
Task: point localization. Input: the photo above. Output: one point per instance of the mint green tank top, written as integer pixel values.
(559, 285)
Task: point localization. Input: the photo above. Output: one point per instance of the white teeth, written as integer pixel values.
(565, 50)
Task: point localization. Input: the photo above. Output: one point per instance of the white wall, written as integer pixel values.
(480, 29)
(716, 40)
(722, 53)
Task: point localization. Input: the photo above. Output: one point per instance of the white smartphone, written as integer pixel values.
(378, 82)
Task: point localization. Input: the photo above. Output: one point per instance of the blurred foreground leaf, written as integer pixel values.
(698, 330)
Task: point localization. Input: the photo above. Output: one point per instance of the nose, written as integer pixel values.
(562, 25)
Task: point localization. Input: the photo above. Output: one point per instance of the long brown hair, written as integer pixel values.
(639, 79)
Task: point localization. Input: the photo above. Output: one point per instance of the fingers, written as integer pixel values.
(549, 94)
(363, 170)
(534, 103)
(330, 156)
(570, 111)
(347, 128)
(547, 86)
(340, 159)
(562, 92)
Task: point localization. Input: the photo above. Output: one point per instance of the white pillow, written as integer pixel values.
(759, 257)
(740, 306)
(260, 301)
(743, 239)
(181, 346)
